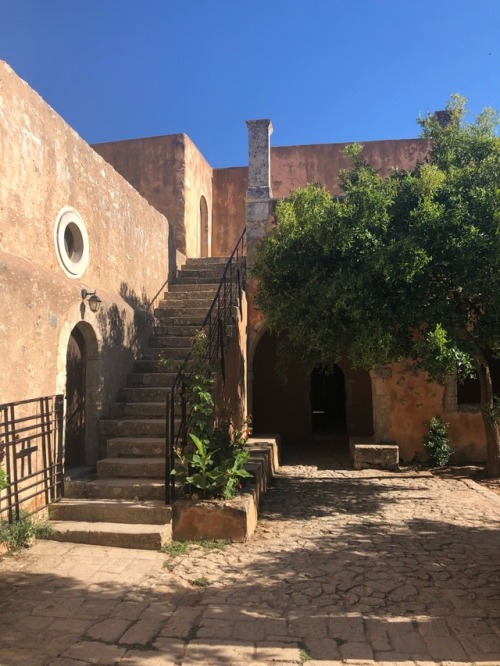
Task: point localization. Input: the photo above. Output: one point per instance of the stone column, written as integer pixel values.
(259, 192)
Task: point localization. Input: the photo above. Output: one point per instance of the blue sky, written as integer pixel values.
(322, 70)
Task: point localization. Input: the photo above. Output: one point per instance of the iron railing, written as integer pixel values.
(31, 433)
(217, 327)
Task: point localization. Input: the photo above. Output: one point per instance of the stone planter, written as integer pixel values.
(234, 519)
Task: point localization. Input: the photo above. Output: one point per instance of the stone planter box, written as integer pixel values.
(234, 519)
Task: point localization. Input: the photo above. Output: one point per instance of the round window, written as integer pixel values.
(72, 242)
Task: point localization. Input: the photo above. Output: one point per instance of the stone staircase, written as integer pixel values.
(122, 503)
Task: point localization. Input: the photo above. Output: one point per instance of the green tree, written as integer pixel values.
(403, 267)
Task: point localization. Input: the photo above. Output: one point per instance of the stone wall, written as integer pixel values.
(46, 167)
(172, 174)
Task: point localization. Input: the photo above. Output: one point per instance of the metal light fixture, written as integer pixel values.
(92, 298)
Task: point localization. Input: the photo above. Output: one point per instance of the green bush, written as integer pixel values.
(437, 442)
(212, 464)
(21, 533)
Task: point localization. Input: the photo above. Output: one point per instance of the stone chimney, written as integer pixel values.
(259, 192)
(443, 117)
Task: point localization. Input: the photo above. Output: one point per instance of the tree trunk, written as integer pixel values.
(489, 418)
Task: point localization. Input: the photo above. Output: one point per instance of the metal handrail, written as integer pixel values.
(216, 325)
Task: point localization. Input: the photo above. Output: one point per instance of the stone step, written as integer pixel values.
(178, 331)
(170, 353)
(171, 341)
(150, 379)
(133, 427)
(190, 288)
(202, 261)
(188, 298)
(144, 537)
(194, 315)
(214, 274)
(188, 278)
(116, 488)
(138, 447)
(152, 512)
(144, 394)
(149, 367)
(131, 468)
(138, 410)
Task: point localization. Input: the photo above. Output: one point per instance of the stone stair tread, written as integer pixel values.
(136, 440)
(112, 510)
(132, 461)
(122, 535)
(123, 528)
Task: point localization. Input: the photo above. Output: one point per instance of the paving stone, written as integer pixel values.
(205, 651)
(108, 630)
(142, 632)
(93, 652)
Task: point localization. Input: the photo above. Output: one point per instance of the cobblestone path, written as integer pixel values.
(345, 568)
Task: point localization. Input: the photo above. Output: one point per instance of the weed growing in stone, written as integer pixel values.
(22, 533)
(176, 548)
(201, 582)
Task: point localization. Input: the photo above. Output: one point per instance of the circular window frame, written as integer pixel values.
(74, 263)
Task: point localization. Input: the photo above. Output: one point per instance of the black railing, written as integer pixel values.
(217, 327)
(31, 434)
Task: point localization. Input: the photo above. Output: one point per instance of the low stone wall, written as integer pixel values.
(235, 519)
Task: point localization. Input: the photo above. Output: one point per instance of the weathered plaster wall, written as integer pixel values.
(172, 174)
(44, 167)
(197, 183)
(403, 401)
(295, 166)
(229, 209)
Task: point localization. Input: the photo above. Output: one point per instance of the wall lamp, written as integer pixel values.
(92, 298)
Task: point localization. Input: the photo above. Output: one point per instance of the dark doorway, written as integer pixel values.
(76, 360)
(328, 402)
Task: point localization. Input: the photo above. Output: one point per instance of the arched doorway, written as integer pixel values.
(328, 402)
(204, 231)
(76, 394)
(315, 412)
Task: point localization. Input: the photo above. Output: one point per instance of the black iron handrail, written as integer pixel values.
(216, 325)
(31, 433)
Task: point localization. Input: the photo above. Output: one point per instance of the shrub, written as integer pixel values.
(21, 533)
(437, 442)
(213, 462)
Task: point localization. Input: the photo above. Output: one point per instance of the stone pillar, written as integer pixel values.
(259, 192)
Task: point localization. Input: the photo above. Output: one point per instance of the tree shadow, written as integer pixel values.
(351, 584)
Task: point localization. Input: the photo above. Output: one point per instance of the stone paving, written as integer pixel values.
(346, 567)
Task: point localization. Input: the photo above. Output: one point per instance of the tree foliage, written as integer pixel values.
(406, 266)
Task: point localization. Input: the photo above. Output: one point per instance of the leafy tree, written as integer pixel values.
(406, 266)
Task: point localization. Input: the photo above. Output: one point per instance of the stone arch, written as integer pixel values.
(286, 407)
(204, 232)
(87, 333)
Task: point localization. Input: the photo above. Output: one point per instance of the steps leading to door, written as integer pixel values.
(122, 504)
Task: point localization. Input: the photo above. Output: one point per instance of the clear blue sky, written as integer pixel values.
(322, 70)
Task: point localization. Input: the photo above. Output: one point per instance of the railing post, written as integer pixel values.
(168, 450)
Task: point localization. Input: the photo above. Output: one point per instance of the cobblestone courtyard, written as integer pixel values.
(345, 568)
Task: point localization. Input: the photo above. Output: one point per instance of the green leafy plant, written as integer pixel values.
(176, 548)
(21, 533)
(201, 582)
(212, 465)
(4, 481)
(437, 442)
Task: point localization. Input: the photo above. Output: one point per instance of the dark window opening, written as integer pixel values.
(468, 392)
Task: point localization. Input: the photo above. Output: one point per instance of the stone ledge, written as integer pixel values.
(367, 454)
(234, 519)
